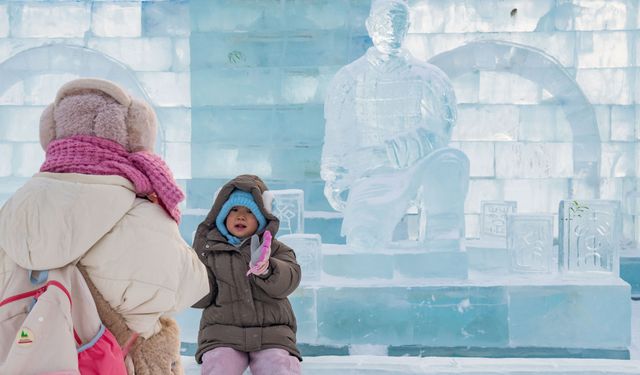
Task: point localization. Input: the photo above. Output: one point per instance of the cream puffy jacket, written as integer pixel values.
(130, 247)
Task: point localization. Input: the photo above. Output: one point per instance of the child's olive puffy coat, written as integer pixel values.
(245, 313)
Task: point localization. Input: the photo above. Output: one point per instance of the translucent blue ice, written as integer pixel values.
(530, 243)
(288, 206)
(68, 61)
(386, 114)
(589, 235)
(493, 220)
(537, 66)
(308, 249)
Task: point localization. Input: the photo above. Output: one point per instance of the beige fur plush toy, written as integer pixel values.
(159, 354)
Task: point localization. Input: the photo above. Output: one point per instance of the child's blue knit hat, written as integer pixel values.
(238, 198)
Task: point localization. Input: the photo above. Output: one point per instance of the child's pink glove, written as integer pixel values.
(259, 264)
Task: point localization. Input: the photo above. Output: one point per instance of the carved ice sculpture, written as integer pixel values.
(386, 114)
(493, 220)
(288, 206)
(530, 243)
(308, 248)
(589, 235)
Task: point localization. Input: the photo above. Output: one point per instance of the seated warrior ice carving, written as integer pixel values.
(388, 120)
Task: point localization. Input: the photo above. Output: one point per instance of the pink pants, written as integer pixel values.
(228, 361)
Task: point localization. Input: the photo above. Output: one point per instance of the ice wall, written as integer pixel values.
(142, 45)
(260, 72)
(256, 73)
(239, 85)
(517, 127)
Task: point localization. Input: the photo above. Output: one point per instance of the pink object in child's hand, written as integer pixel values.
(265, 251)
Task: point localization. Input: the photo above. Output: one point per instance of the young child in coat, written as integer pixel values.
(247, 318)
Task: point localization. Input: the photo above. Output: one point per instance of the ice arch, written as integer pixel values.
(541, 68)
(79, 61)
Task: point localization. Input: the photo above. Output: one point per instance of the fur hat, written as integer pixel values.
(239, 198)
(91, 106)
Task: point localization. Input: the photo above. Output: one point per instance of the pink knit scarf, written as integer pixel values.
(98, 156)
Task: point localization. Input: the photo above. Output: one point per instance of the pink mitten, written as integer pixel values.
(259, 263)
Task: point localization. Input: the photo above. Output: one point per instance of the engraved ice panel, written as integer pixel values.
(288, 206)
(493, 219)
(590, 233)
(308, 253)
(530, 243)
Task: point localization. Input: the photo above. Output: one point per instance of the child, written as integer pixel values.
(247, 319)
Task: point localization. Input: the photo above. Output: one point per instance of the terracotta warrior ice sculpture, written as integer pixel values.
(388, 122)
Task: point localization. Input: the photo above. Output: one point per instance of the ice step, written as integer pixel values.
(561, 316)
(579, 312)
(343, 261)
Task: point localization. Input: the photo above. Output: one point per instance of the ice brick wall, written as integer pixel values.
(260, 70)
(239, 87)
(515, 134)
(142, 45)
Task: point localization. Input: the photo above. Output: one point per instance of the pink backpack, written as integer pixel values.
(49, 325)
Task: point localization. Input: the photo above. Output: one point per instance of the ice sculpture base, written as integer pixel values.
(496, 316)
(577, 316)
(407, 351)
(343, 261)
(488, 256)
(630, 270)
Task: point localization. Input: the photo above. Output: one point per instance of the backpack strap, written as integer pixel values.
(127, 346)
(36, 293)
(39, 291)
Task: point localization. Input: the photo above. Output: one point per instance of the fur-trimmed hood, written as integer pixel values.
(261, 195)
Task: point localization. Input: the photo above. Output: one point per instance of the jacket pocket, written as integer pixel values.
(225, 285)
(277, 313)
